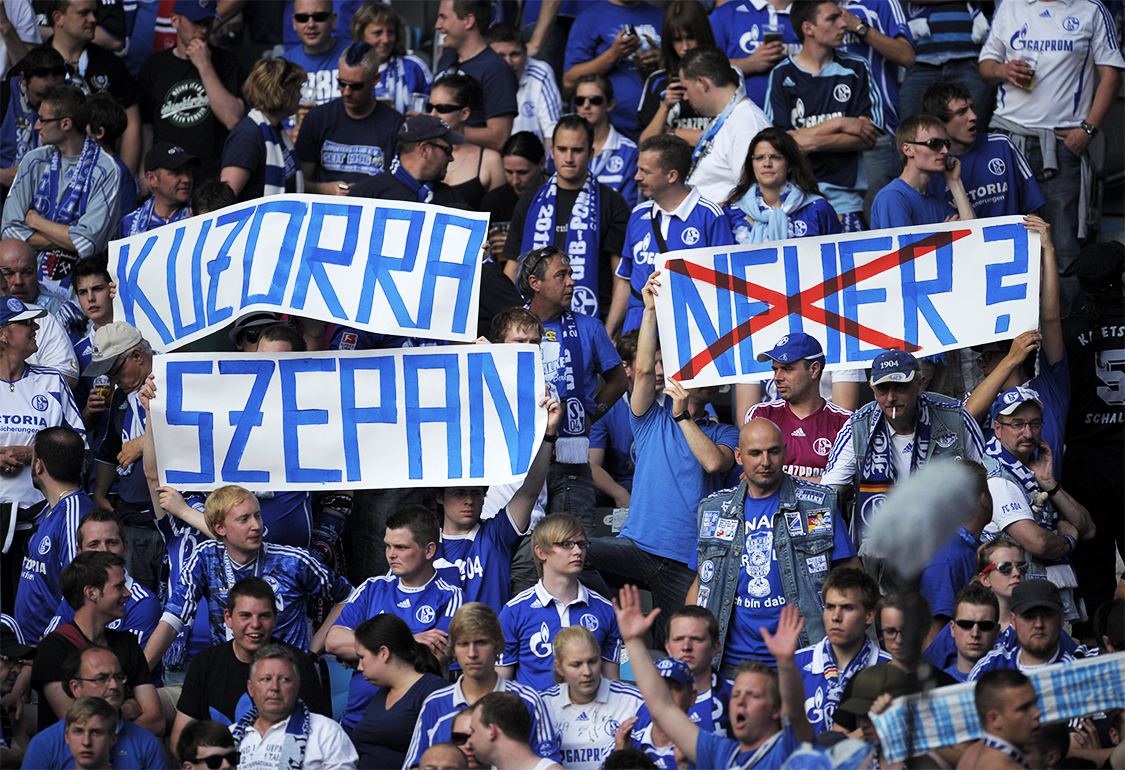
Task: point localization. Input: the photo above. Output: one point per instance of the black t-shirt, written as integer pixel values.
(497, 293)
(55, 649)
(174, 102)
(613, 218)
(496, 78)
(386, 187)
(245, 148)
(500, 203)
(347, 149)
(104, 72)
(216, 679)
(1095, 425)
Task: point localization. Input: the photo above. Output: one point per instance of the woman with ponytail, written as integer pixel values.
(406, 672)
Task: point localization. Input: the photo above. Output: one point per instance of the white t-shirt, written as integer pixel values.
(718, 172)
(841, 471)
(1009, 504)
(55, 350)
(1071, 38)
(22, 16)
(328, 748)
(586, 731)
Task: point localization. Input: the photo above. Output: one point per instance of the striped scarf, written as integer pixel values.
(296, 736)
(141, 220)
(72, 205)
(279, 155)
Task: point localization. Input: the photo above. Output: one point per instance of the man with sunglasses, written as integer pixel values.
(189, 93)
(1029, 505)
(923, 146)
(42, 68)
(425, 148)
(125, 357)
(319, 52)
(353, 137)
(207, 744)
(1037, 617)
(96, 673)
(974, 627)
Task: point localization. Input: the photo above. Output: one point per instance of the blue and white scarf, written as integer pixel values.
(279, 149)
(296, 736)
(67, 210)
(877, 471)
(565, 381)
(771, 223)
(133, 426)
(27, 138)
(392, 84)
(424, 191)
(703, 146)
(583, 240)
(141, 220)
(992, 742)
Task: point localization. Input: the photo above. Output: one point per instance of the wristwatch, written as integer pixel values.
(684, 415)
(862, 30)
(1090, 129)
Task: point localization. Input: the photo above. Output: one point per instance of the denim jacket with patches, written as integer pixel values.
(803, 556)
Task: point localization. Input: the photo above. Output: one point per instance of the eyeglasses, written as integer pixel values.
(596, 101)
(318, 17)
(58, 71)
(985, 625)
(101, 681)
(447, 149)
(1019, 425)
(459, 739)
(215, 761)
(348, 85)
(934, 144)
(985, 358)
(568, 545)
(892, 633)
(770, 158)
(117, 367)
(444, 109)
(1006, 567)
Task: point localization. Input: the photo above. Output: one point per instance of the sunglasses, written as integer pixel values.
(444, 109)
(459, 739)
(1006, 567)
(346, 85)
(447, 149)
(301, 18)
(215, 761)
(58, 71)
(597, 101)
(935, 144)
(985, 625)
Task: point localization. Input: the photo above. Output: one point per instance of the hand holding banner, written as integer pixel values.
(414, 417)
(923, 289)
(370, 264)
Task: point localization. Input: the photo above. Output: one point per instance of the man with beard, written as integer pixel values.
(1037, 616)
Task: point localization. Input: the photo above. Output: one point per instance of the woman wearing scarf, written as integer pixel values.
(258, 157)
(404, 79)
(777, 195)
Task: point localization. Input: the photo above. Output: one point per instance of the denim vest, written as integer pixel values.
(946, 418)
(802, 555)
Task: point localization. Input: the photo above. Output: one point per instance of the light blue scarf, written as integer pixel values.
(771, 223)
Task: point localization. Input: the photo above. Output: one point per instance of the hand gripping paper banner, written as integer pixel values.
(923, 289)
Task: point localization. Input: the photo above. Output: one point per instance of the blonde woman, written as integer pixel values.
(586, 706)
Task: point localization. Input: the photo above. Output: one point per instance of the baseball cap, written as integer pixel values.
(1099, 267)
(196, 10)
(797, 346)
(419, 128)
(12, 309)
(1011, 399)
(110, 342)
(1033, 593)
(872, 682)
(169, 156)
(12, 647)
(676, 670)
(893, 366)
(257, 321)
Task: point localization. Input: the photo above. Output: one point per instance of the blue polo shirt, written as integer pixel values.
(900, 205)
(844, 88)
(711, 710)
(714, 751)
(669, 482)
(695, 224)
(483, 557)
(949, 571)
(136, 749)
(739, 27)
(594, 32)
(888, 17)
(423, 608)
(997, 179)
(531, 620)
(614, 433)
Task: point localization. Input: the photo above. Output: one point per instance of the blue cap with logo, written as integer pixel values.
(676, 670)
(12, 309)
(893, 366)
(196, 10)
(1011, 400)
(796, 346)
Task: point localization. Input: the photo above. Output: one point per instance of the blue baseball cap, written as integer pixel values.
(797, 346)
(1011, 399)
(196, 10)
(676, 670)
(893, 366)
(12, 309)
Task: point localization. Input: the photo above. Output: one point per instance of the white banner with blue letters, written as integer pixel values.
(375, 265)
(414, 417)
